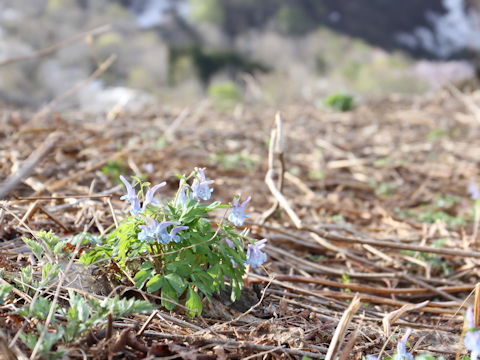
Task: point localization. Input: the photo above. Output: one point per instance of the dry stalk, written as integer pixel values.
(392, 317)
(47, 108)
(236, 344)
(29, 165)
(48, 50)
(276, 152)
(394, 245)
(476, 307)
(342, 327)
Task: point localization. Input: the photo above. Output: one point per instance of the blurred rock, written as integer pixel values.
(438, 73)
(97, 98)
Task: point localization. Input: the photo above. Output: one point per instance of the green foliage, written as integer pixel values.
(340, 102)
(29, 282)
(55, 245)
(346, 280)
(432, 215)
(199, 263)
(438, 265)
(436, 134)
(338, 219)
(34, 246)
(206, 11)
(441, 208)
(82, 315)
(113, 169)
(5, 289)
(48, 342)
(316, 175)
(225, 94)
(385, 188)
(235, 161)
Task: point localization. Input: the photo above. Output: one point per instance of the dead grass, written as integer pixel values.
(388, 222)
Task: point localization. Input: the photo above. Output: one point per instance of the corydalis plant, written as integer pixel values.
(175, 250)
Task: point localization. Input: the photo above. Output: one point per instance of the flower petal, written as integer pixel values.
(151, 194)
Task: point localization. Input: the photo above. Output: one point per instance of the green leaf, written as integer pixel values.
(41, 307)
(29, 339)
(425, 357)
(193, 303)
(49, 273)
(204, 289)
(177, 283)
(49, 238)
(146, 265)
(34, 246)
(155, 283)
(168, 292)
(79, 310)
(236, 289)
(4, 291)
(58, 249)
(182, 267)
(142, 276)
(216, 205)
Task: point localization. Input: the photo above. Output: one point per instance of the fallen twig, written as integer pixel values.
(58, 46)
(28, 165)
(342, 327)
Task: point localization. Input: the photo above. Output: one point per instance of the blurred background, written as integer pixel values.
(269, 51)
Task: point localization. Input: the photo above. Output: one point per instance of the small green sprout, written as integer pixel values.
(340, 101)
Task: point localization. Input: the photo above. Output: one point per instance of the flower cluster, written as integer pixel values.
(153, 231)
(164, 232)
(132, 197)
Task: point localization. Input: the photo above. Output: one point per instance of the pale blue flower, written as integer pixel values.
(472, 337)
(473, 190)
(131, 197)
(153, 231)
(372, 357)
(182, 197)
(175, 230)
(237, 216)
(255, 257)
(163, 236)
(230, 243)
(151, 194)
(149, 231)
(402, 353)
(200, 186)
